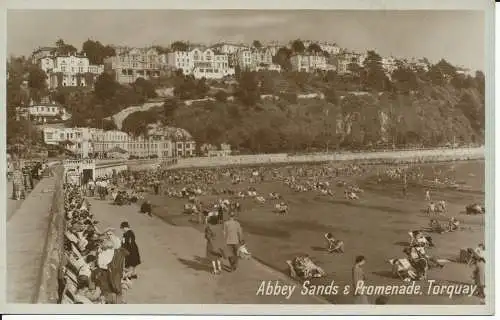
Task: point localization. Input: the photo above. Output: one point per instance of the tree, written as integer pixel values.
(96, 52)
(375, 77)
(314, 48)
(64, 49)
(179, 46)
(144, 88)
(188, 87)
(105, 87)
(161, 50)
(331, 96)
(298, 46)
(248, 89)
(137, 122)
(221, 96)
(169, 108)
(480, 82)
(257, 44)
(404, 78)
(282, 58)
(37, 78)
(441, 72)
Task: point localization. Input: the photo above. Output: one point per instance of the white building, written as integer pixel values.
(76, 140)
(244, 59)
(105, 140)
(262, 57)
(44, 113)
(229, 48)
(201, 63)
(224, 151)
(308, 62)
(345, 58)
(331, 48)
(389, 64)
(42, 52)
(270, 67)
(69, 70)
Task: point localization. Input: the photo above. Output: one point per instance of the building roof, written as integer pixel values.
(170, 132)
(118, 150)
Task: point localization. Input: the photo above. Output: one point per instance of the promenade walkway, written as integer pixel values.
(27, 229)
(173, 269)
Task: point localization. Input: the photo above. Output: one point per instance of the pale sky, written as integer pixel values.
(458, 36)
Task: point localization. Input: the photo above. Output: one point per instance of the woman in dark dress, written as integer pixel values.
(128, 243)
(214, 237)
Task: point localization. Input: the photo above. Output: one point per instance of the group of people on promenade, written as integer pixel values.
(24, 176)
(99, 266)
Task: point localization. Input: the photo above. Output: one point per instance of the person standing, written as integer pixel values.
(478, 276)
(358, 277)
(220, 214)
(234, 236)
(17, 183)
(427, 195)
(133, 259)
(91, 187)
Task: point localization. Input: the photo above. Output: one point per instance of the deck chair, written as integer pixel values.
(71, 237)
(76, 252)
(71, 276)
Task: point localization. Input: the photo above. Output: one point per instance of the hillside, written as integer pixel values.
(442, 115)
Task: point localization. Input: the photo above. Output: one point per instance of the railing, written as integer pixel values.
(79, 162)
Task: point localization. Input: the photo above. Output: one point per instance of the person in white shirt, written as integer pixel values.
(479, 251)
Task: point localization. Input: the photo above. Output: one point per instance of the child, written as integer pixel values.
(243, 252)
(214, 244)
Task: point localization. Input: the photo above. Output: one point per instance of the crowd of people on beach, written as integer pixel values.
(223, 233)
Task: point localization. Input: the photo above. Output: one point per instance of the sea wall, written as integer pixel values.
(49, 285)
(428, 155)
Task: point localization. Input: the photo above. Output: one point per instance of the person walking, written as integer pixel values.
(233, 235)
(133, 259)
(358, 277)
(215, 244)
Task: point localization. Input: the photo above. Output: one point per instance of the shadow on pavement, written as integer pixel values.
(198, 264)
(385, 274)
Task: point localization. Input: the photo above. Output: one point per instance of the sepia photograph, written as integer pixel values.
(248, 157)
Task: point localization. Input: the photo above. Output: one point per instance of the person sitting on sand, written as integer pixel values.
(243, 252)
(333, 244)
(146, 208)
(436, 226)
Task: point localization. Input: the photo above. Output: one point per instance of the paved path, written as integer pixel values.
(26, 234)
(173, 269)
